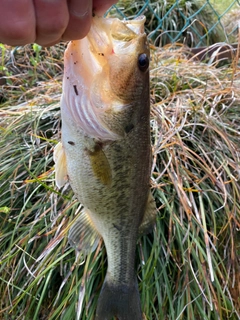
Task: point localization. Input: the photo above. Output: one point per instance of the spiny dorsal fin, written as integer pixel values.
(149, 218)
(82, 235)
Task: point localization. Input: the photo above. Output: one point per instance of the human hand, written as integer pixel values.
(47, 22)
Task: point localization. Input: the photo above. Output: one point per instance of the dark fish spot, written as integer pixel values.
(71, 143)
(117, 148)
(101, 54)
(75, 89)
(117, 227)
(129, 127)
(98, 146)
(67, 77)
(75, 62)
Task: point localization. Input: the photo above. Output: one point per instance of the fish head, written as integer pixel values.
(107, 74)
(124, 55)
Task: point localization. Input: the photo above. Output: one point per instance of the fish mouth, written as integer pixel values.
(107, 37)
(116, 37)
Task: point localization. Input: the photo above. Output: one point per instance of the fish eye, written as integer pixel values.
(143, 62)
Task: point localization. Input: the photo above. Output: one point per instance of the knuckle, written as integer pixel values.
(18, 35)
(54, 26)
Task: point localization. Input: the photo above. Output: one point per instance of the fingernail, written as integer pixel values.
(80, 9)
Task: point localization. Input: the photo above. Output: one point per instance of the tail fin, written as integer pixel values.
(121, 301)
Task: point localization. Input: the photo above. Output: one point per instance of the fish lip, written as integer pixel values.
(137, 24)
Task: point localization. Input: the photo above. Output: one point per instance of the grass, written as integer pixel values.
(222, 6)
(188, 267)
(194, 23)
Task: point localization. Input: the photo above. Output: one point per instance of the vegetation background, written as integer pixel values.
(188, 267)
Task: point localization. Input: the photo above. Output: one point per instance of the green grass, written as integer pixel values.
(188, 267)
(222, 6)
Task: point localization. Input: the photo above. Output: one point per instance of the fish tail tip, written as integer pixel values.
(121, 301)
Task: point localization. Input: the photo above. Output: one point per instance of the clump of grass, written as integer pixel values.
(24, 69)
(232, 24)
(196, 177)
(194, 23)
(188, 267)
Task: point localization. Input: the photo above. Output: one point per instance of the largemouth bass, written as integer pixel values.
(105, 152)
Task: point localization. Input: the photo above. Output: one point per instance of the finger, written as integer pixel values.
(51, 20)
(49, 44)
(17, 22)
(101, 6)
(80, 14)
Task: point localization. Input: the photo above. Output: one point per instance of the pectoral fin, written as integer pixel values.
(149, 218)
(82, 235)
(59, 158)
(100, 165)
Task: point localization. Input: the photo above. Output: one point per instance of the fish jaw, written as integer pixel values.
(101, 77)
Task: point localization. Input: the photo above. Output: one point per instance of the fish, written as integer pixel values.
(105, 153)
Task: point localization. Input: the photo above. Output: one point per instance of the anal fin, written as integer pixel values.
(82, 235)
(149, 218)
